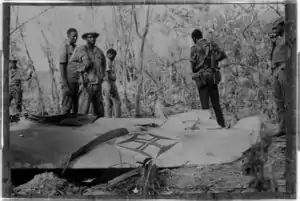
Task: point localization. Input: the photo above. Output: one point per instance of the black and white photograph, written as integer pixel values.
(149, 99)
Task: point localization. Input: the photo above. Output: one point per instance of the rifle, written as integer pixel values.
(212, 56)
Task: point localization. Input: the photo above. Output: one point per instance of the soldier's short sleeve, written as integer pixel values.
(77, 55)
(63, 54)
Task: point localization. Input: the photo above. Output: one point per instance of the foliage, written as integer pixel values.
(238, 28)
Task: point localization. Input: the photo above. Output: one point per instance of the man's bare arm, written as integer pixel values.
(63, 64)
(193, 59)
(220, 53)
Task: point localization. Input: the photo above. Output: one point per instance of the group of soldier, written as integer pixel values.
(205, 56)
(88, 76)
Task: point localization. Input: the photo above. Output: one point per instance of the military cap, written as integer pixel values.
(85, 35)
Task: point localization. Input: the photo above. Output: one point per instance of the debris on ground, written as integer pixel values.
(231, 177)
(47, 184)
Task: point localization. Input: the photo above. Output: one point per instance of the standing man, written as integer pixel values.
(16, 77)
(90, 64)
(205, 56)
(69, 87)
(280, 54)
(110, 92)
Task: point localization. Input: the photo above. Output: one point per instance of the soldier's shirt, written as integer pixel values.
(65, 54)
(200, 55)
(280, 53)
(282, 50)
(80, 58)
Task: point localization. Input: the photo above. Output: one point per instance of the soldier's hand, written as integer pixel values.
(88, 65)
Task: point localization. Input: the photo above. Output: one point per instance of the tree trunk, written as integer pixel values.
(141, 61)
(291, 71)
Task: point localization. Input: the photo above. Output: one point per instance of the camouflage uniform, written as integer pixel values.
(69, 98)
(16, 77)
(91, 79)
(206, 77)
(110, 93)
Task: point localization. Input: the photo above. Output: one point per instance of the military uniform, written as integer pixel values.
(16, 77)
(111, 98)
(91, 79)
(206, 77)
(280, 55)
(278, 65)
(69, 97)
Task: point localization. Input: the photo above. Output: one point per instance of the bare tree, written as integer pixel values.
(51, 63)
(141, 57)
(40, 91)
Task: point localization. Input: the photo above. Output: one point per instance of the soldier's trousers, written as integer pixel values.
(70, 100)
(111, 100)
(211, 92)
(16, 93)
(280, 94)
(91, 95)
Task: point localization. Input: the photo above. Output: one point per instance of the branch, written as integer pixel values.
(245, 37)
(34, 17)
(147, 22)
(274, 9)
(136, 23)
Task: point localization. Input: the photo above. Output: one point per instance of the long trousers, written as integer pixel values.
(70, 99)
(91, 95)
(211, 92)
(111, 100)
(280, 94)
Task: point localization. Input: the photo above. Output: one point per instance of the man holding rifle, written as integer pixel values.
(89, 63)
(204, 58)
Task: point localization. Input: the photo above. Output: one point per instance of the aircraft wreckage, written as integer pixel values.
(86, 142)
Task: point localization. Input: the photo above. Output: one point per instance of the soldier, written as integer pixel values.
(69, 87)
(110, 92)
(205, 56)
(15, 84)
(279, 56)
(89, 63)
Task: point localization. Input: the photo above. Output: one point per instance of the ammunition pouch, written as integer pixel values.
(207, 77)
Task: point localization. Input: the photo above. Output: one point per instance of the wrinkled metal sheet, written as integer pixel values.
(172, 144)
